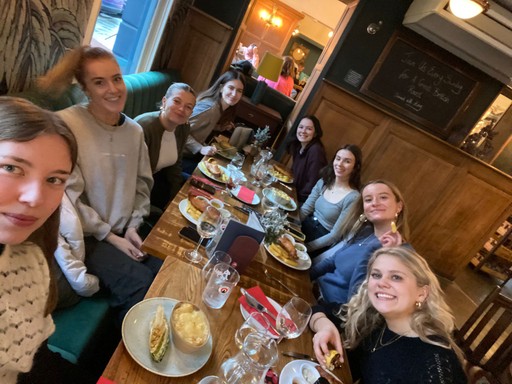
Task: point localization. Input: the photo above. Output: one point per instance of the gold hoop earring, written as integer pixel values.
(418, 305)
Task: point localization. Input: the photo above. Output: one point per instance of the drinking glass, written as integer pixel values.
(217, 257)
(235, 176)
(238, 160)
(207, 226)
(223, 279)
(293, 318)
(256, 322)
(267, 178)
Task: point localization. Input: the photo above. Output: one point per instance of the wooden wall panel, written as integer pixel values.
(200, 42)
(455, 201)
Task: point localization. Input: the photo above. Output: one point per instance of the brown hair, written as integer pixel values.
(288, 67)
(71, 66)
(22, 121)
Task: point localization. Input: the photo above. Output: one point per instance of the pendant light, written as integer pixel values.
(466, 9)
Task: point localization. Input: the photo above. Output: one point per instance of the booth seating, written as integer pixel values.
(81, 330)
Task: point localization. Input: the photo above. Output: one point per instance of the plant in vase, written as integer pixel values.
(273, 223)
(260, 137)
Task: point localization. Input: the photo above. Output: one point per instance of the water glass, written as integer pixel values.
(256, 322)
(238, 160)
(223, 278)
(267, 178)
(217, 257)
(293, 318)
(211, 380)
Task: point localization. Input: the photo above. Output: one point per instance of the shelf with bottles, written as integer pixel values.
(495, 257)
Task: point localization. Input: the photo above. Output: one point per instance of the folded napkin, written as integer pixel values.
(206, 181)
(103, 380)
(259, 295)
(246, 194)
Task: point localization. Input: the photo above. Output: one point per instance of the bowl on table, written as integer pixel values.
(190, 327)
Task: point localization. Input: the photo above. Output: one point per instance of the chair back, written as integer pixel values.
(486, 337)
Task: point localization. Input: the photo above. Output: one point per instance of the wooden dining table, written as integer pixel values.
(181, 280)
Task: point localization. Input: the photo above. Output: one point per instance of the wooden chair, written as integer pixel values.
(486, 337)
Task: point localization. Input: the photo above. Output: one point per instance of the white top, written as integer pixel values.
(168, 151)
(24, 291)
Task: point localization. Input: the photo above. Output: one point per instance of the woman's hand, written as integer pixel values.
(208, 150)
(326, 334)
(125, 245)
(390, 239)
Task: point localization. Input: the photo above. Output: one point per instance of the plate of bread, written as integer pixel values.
(213, 170)
(281, 173)
(289, 252)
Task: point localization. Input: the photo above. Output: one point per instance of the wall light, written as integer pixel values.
(466, 9)
(271, 19)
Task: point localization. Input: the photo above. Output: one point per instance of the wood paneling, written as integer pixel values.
(199, 43)
(454, 200)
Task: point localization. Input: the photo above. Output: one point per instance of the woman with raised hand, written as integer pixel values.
(37, 155)
(214, 111)
(111, 184)
(166, 133)
(308, 155)
(378, 218)
(326, 208)
(397, 327)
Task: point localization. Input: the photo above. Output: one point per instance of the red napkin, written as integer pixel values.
(246, 194)
(206, 181)
(103, 380)
(258, 294)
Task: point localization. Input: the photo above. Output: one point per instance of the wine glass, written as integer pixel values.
(207, 226)
(235, 176)
(293, 318)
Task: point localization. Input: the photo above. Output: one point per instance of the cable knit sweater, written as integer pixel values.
(24, 289)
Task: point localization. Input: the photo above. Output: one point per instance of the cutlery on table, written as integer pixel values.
(267, 273)
(253, 302)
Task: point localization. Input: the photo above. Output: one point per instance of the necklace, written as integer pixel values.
(365, 240)
(379, 344)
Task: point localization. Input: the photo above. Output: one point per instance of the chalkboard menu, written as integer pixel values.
(414, 82)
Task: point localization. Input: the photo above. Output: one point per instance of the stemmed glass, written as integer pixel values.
(235, 176)
(207, 226)
(293, 318)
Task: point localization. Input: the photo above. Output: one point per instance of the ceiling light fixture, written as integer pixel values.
(271, 19)
(466, 9)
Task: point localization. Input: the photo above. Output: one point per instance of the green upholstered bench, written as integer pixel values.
(81, 328)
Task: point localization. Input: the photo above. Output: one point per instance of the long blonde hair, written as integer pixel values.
(355, 217)
(433, 322)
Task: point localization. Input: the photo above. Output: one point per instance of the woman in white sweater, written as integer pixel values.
(111, 184)
(37, 154)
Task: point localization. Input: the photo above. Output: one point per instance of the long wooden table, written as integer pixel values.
(181, 280)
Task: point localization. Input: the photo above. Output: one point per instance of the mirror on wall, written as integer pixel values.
(493, 132)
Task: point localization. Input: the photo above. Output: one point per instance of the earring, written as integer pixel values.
(362, 218)
(418, 305)
(396, 216)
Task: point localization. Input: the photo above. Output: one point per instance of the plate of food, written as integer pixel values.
(288, 252)
(225, 150)
(282, 199)
(299, 372)
(213, 170)
(192, 207)
(243, 195)
(281, 173)
(147, 336)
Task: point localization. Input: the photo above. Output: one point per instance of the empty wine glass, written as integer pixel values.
(293, 318)
(235, 176)
(207, 226)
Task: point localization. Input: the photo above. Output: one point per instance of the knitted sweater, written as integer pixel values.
(330, 215)
(24, 290)
(111, 184)
(203, 121)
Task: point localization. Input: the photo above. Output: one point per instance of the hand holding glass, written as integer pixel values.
(207, 226)
(293, 318)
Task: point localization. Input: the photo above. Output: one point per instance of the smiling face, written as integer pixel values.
(343, 164)
(32, 180)
(231, 93)
(393, 289)
(106, 89)
(305, 131)
(380, 205)
(178, 107)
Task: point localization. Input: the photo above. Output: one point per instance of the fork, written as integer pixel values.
(268, 274)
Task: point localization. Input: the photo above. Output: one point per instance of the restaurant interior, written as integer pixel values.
(447, 145)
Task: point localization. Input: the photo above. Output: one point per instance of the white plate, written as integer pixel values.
(207, 173)
(245, 315)
(255, 199)
(135, 333)
(304, 261)
(292, 370)
(183, 210)
(274, 173)
(270, 193)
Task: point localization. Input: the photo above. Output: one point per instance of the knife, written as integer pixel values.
(253, 302)
(298, 355)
